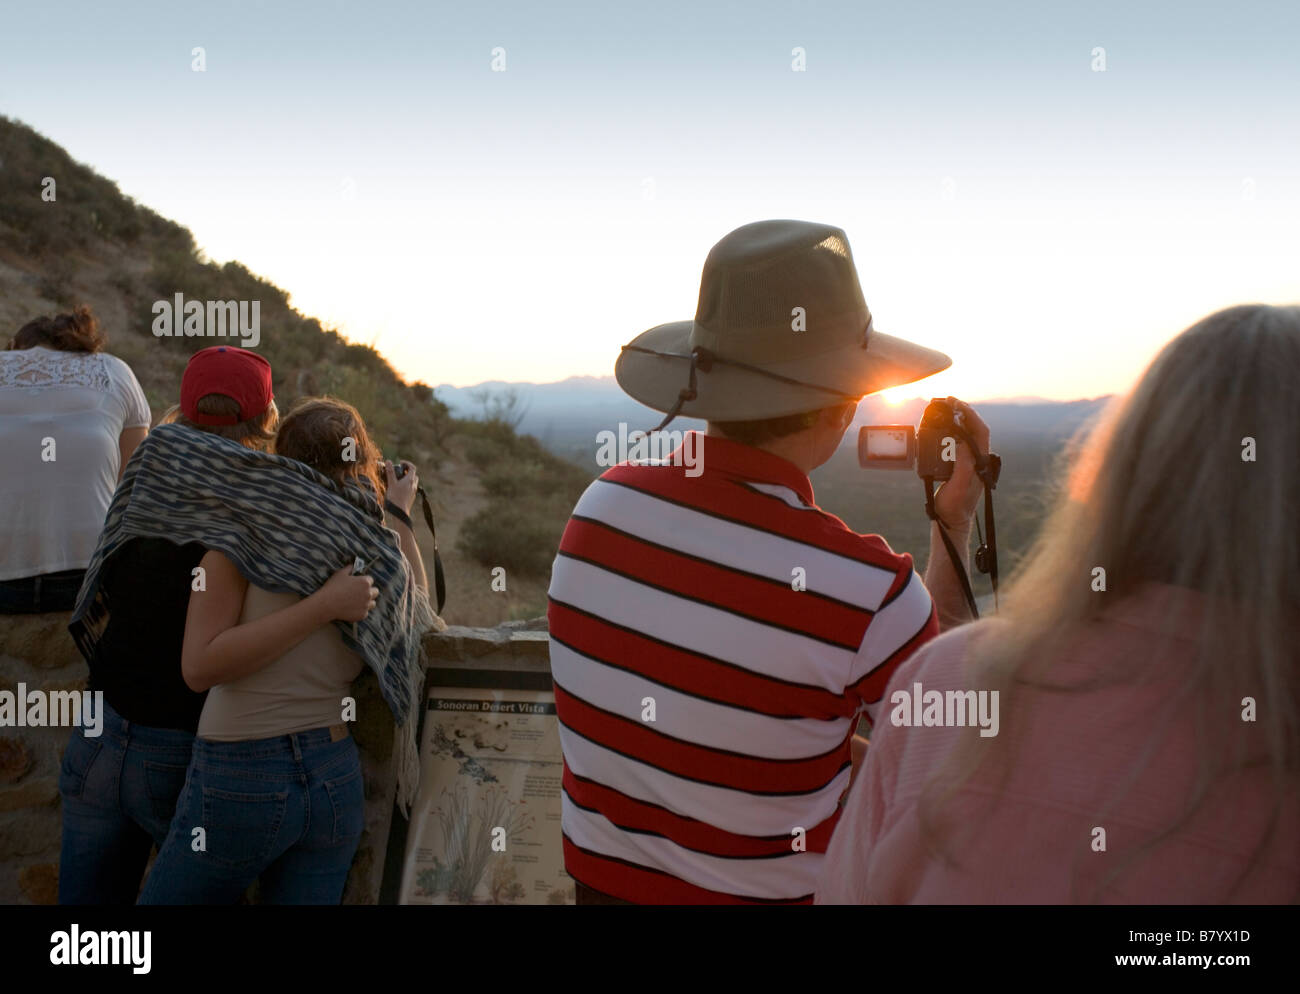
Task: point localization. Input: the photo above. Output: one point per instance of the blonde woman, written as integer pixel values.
(1145, 662)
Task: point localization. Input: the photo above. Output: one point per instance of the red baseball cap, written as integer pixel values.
(242, 375)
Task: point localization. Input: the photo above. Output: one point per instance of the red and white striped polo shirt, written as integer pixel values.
(676, 598)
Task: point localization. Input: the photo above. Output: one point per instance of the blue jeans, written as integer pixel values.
(288, 810)
(119, 793)
(38, 594)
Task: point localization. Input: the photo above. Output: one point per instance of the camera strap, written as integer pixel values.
(439, 581)
(989, 547)
(952, 549)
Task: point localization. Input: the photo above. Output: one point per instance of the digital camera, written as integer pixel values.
(930, 449)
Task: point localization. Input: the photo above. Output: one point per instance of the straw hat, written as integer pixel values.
(781, 328)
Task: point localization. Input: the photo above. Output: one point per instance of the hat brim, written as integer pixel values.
(726, 393)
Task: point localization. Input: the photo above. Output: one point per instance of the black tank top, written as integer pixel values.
(138, 661)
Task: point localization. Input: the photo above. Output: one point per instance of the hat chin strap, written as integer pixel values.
(705, 360)
(700, 358)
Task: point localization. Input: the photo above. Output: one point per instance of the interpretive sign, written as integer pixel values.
(485, 826)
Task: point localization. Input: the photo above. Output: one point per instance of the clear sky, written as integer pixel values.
(1045, 224)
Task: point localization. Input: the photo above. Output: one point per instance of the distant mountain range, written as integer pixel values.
(566, 415)
(560, 415)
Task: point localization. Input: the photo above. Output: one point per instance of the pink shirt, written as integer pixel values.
(1088, 760)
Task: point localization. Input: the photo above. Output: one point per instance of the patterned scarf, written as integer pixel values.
(287, 528)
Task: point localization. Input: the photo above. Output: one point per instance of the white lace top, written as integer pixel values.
(61, 417)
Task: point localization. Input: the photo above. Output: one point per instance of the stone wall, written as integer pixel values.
(36, 650)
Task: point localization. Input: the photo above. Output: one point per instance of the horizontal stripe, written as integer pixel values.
(733, 770)
(743, 593)
(706, 595)
(723, 499)
(698, 627)
(692, 719)
(761, 551)
(870, 688)
(639, 885)
(633, 815)
(690, 672)
(787, 877)
(727, 809)
(910, 613)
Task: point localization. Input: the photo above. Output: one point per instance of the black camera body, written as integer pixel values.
(930, 449)
(936, 441)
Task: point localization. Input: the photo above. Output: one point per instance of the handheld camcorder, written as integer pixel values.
(931, 449)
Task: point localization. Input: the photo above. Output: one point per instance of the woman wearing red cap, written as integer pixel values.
(275, 781)
(119, 787)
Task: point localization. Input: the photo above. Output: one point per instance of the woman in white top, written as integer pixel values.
(70, 417)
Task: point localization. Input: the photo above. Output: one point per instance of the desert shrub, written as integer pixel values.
(56, 283)
(122, 281)
(178, 270)
(520, 535)
(514, 481)
(533, 479)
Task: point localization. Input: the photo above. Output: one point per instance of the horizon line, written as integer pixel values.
(1019, 399)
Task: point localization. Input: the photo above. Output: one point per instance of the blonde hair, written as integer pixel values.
(1190, 481)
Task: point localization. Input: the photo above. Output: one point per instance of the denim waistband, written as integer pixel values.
(289, 746)
(145, 736)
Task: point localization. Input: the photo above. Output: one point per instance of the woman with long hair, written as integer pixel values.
(275, 786)
(119, 787)
(71, 415)
(1145, 667)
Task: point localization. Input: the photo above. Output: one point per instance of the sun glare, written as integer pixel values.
(897, 396)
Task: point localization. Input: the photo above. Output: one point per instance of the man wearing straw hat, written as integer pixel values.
(714, 634)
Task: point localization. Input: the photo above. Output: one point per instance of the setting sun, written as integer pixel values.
(898, 396)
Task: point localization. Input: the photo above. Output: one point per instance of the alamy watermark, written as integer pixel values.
(94, 948)
(23, 708)
(669, 448)
(199, 318)
(919, 708)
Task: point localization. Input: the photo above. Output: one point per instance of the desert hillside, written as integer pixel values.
(500, 499)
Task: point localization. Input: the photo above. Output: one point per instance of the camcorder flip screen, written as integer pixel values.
(887, 447)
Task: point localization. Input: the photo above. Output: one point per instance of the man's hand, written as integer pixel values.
(955, 504)
(957, 499)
